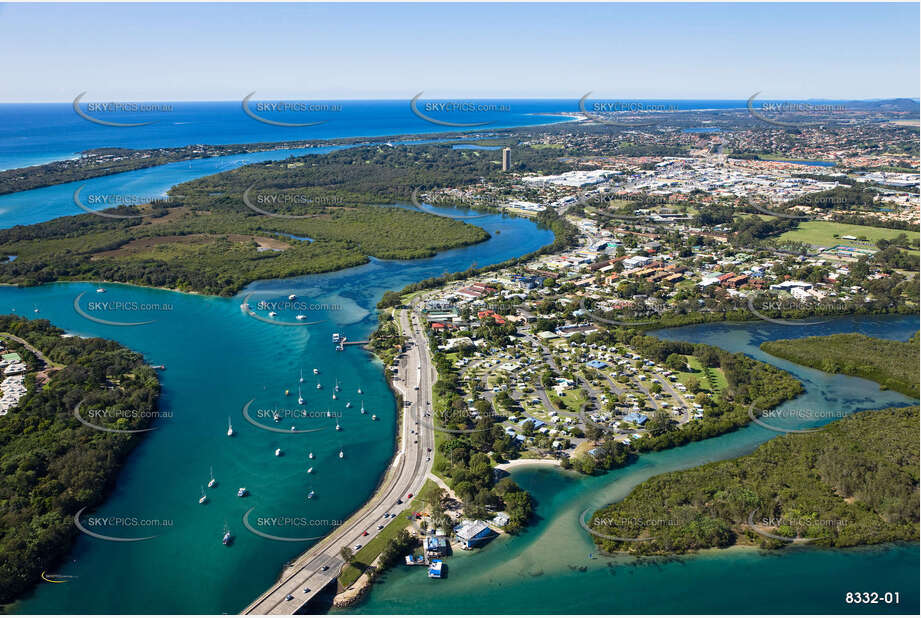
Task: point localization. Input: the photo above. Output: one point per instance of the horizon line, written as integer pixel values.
(916, 99)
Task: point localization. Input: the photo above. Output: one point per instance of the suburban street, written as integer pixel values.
(406, 475)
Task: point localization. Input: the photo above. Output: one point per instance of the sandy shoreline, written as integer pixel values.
(518, 463)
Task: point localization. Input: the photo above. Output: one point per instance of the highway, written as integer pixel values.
(406, 475)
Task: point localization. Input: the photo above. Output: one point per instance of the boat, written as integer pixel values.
(242, 492)
(374, 417)
(348, 404)
(278, 452)
(287, 392)
(338, 427)
(229, 427)
(272, 314)
(161, 367)
(362, 407)
(311, 494)
(275, 417)
(337, 385)
(291, 297)
(301, 316)
(302, 376)
(335, 337)
(212, 482)
(310, 456)
(100, 290)
(203, 498)
(334, 396)
(300, 397)
(228, 538)
(310, 470)
(359, 390)
(319, 386)
(316, 371)
(341, 454)
(435, 569)
(329, 414)
(339, 348)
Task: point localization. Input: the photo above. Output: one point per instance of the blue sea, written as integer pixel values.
(36, 133)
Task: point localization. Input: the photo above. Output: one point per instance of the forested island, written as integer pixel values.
(854, 482)
(894, 364)
(51, 465)
(851, 482)
(212, 240)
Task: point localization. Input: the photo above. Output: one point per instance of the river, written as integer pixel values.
(217, 359)
(553, 567)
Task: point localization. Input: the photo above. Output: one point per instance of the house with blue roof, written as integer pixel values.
(636, 417)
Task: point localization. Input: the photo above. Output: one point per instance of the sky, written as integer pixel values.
(211, 52)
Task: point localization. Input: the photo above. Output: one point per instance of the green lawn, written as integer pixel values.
(367, 554)
(822, 233)
(712, 381)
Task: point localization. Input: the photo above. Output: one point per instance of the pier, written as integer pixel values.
(320, 565)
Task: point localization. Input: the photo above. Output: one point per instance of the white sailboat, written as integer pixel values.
(348, 404)
(212, 482)
(311, 494)
(316, 371)
(302, 375)
(362, 406)
(310, 470)
(341, 454)
(338, 427)
(300, 397)
(229, 427)
(310, 455)
(203, 498)
(334, 396)
(359, 391)
(337, 385)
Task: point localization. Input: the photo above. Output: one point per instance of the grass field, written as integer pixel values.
(367, 554)
(714, 385)
(822, 233)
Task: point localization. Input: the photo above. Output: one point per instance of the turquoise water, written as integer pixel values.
(552, 568)
(36, 205)
(218, 358)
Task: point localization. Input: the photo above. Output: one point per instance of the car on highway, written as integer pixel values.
(289, 597)
(306, 590)
(409, 495)
(399, 501)
(380, 526)
(357, 546)
(365, 533)
(325, 567)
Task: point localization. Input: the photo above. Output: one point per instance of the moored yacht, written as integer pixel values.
(229, 427)
(203, 498)
(242, 492)
(278, 452)
(212, 482)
